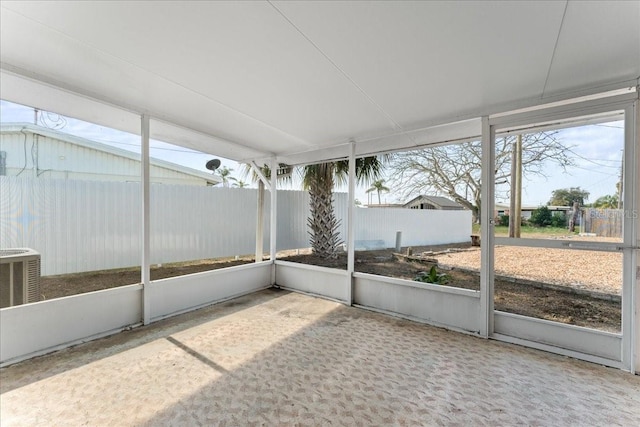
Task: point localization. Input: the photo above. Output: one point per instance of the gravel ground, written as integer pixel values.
(596, 271)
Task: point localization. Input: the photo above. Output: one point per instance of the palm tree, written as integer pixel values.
(378, 185)
(284, 172)
(240, 184)
(319, 180)
(607, 202)
(225, 175)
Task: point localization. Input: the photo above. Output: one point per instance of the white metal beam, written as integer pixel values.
(35, 90)
(396, 141)
(529, 119)
(146, 237)
(256, 169)
(632, 195)
(628, 238)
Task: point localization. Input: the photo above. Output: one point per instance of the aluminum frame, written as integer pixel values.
(531, 119)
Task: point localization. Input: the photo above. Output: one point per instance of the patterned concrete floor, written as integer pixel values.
(278, 358)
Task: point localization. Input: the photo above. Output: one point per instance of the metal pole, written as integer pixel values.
(146, 238)
(350, 226)
(517, 213)
(515, 202)
(398, 241)
(621, 185)
(274, 219)
(514, 191)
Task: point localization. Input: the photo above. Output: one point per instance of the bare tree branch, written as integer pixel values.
(454, 171)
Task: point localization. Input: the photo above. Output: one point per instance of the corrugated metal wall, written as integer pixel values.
(30, 155)
(418, 226)
(190, 223)
(76, 225)
(87, 225)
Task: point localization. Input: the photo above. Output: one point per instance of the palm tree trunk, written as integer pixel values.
(322, 222)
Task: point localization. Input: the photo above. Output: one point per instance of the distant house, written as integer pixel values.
(433, 202)
(424, 202)
(385, 205)
(526, 211)
(34, 151)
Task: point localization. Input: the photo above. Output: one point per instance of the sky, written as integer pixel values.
(596, 169)
(597, 164)
(10, 112)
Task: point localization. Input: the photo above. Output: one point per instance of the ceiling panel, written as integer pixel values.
(298, 77)
(58, 59)
(599, 43)
(425, 60)
(243, 55)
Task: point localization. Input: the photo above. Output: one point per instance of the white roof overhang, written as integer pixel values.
(299, 80)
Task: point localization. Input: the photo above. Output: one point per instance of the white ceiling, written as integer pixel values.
(247, 80)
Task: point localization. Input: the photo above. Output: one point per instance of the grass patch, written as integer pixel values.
(525, 230)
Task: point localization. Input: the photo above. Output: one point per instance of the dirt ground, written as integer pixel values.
(79, 283)
(522, 288)
(585, 300)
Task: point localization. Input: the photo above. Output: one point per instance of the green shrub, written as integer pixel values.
(433, 277)
(503, 221)
(541, 217)
(559, 220)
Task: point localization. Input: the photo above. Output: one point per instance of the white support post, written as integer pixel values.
(274, 219)
(486, 230)
(629, 239)
(351, 256)
(632, 131)
(256, 169)
(146, 238)
(263, 183)
(260, 221)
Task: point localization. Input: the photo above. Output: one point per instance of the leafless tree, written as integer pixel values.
(454, 170)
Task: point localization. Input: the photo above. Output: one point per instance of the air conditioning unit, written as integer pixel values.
(19, 276)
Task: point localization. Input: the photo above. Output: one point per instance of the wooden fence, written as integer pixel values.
(603, 222)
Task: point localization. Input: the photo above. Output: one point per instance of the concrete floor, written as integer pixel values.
(280, 358)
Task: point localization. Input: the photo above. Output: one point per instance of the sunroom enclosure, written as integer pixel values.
(301, 83)
(28, 330)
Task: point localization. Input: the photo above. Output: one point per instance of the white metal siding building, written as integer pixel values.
(35, 151)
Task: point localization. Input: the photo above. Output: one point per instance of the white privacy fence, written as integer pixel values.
(86, 225)
(293, 211)
(418, 227)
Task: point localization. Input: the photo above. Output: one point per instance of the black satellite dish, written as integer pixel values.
(213, 164)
